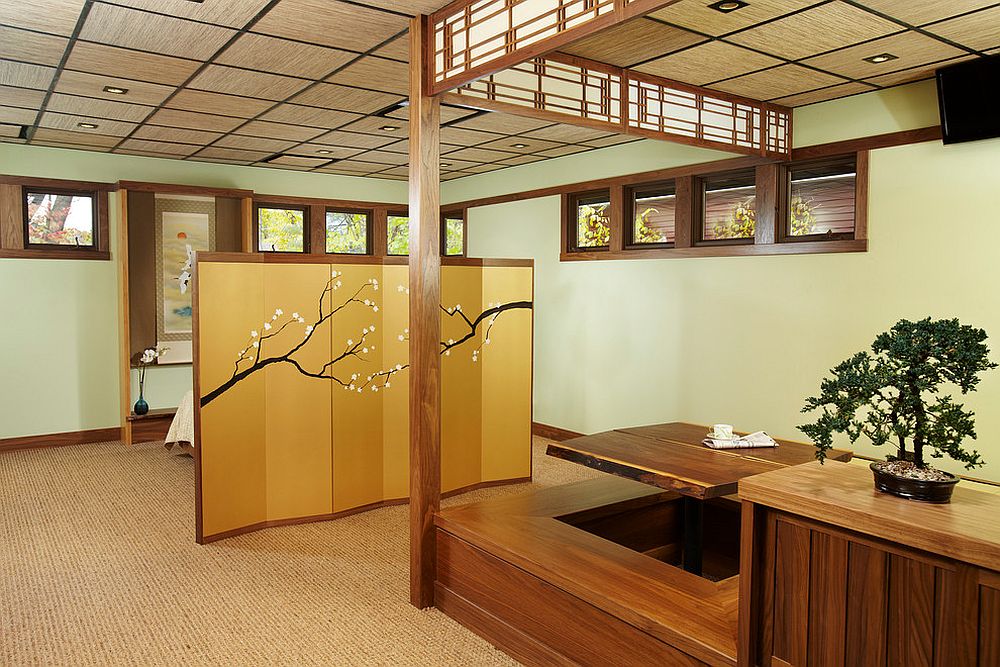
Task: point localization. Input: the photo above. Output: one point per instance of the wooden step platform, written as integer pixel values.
(581, 574)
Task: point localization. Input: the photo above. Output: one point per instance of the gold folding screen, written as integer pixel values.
(301, 384)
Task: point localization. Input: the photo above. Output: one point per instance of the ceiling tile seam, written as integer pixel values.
(312, 85)
(84, 12)
(923, 32)
(204, 65)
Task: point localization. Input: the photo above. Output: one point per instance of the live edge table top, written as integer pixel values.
(672, 456)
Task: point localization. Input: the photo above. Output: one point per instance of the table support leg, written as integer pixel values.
(692, 535)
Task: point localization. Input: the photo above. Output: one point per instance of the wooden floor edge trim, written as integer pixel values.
(61, 439)
(315, 518)
(519, 646)
(553, 432)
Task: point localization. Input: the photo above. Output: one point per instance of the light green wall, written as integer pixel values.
(745, 339)
(59, 335)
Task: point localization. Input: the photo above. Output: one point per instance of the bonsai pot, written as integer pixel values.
(926, 490)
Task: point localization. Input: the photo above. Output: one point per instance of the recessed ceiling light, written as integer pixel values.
(87, 126)
(726, 6)
(115, 90)
(446, 164)
(880, 58)
(324, 152)
(519, 145)
(389, 128)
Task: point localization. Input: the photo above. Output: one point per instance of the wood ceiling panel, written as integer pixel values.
(833, 92)
(816, 30)
(567, 134)
(298, 161)
(352, 140)
(482, 169)
(980, 31)
(449, 113)
(119, 26)
(374, 125)
(561, 151)
(219, 79)
(388, 76)
(521, 159)
(174, 135)
(92, 85)
(31, 47)
(521, 145)
(778, 82)
(75, 147)
(142, 145)
(397, 49)
(911, 49)
(915, 73)
(281, 56)
(127, 64)
(458, 136)
(633, 42)
(61, 121)
(22, 97)
(55, 17)
(698, 16)
(11, 132)
(395, 171)
(919, 12)
(331, 23)
(94, 108)
(312, 116)
(218, 103)
(255, 143)
(194, 121)
(332, 152)
(343, 98)
(477, 155)
(262, 128)
(502, 123)
(458, 165)
(707, 63)
(25, 75)
(231, 154)
(83, 138)
(17, 115)
(354, 167)
(385, 157)
(232, 13)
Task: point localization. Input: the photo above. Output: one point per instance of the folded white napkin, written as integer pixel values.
(758, 439)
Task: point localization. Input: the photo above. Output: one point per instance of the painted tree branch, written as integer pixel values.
(254, 353)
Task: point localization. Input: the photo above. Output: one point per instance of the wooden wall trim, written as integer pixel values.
(553, 432)
(888, 140)
(328, 203)
(181, 189)
(61, 439)
(743, 250)
(58, 183)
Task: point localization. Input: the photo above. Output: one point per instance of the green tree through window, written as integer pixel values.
(347, 232)
(280, 229)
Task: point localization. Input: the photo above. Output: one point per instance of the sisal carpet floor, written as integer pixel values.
(98, 566)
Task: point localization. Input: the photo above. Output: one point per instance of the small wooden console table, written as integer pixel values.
(672, 456)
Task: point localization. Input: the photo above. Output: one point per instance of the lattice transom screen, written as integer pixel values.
(559, 87)
(469, 40)
(622, 101)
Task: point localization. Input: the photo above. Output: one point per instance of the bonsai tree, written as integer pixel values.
(893, 393)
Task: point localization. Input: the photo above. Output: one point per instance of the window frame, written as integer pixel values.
(457, 214)
(701, 205)
(306, 228)
(94, 212)
(784, 233)
(628, 220)
(369, 230)
(571, 220)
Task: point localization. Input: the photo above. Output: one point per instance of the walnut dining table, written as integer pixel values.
(671, 456)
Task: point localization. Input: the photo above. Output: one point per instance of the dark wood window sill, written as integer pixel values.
(745, 250)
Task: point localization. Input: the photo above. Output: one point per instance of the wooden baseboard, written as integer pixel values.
(553, 432)
(61, 439)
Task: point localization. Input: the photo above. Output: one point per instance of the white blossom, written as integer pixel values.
(295, 316)
(256, 344)
(254, 334)
(267, 326)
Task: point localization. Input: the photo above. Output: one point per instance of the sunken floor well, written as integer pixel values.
(98, 566)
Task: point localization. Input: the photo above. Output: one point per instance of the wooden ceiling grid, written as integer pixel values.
(314, 84)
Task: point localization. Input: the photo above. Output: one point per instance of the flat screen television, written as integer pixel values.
(969, 100)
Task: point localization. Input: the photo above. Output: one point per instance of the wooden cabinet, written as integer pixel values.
(858, 578)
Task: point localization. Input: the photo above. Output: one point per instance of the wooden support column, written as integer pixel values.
(687, 211)
(425, 320)
(769, 203)
(617, 205)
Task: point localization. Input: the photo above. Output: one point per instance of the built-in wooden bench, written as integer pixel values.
(582, 574)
